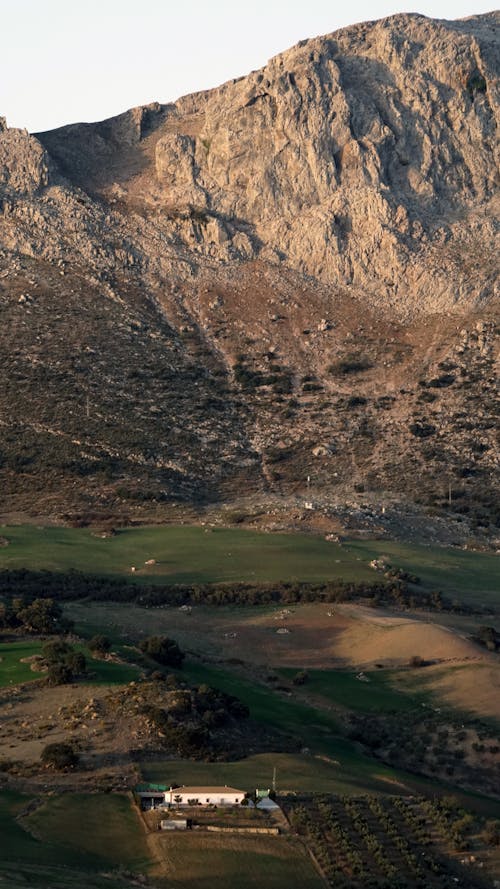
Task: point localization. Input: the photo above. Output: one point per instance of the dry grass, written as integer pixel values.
(470, 687)
(201, 861)
(393, 640)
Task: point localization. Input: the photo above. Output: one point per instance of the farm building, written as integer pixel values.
(151, 796)
(267, 804)
(203, 796)
(175, 824)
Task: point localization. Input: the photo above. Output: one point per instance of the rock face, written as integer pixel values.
(294, 273)
(368, 157)
(24, 163)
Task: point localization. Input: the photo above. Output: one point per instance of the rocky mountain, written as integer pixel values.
(291, 275)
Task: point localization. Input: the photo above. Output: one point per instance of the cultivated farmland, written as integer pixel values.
(356, 839)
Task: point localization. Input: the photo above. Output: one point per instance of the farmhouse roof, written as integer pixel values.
(207, 790)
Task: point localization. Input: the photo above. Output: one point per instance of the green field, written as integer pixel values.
(88, 831)
(12, 671)
(376, 694)
(185, 554)
(101, 672)
(265, 704)
(17, 843)
(467, 576)
(314, 728)
(103, 828)
(296, 772)
(200, 861)
(37, 876)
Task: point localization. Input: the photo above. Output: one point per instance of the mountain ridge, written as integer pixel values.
(292, 274)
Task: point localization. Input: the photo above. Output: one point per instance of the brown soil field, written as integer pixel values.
(318, 635)
(392, 640)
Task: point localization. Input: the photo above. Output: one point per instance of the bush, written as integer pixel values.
(300, 677)
(63, 661)
(60, 756)
(163, 650)
(59, 673)
(76, 662)
(491, 834)
(350, 364)
(100, 644)
(422, 430)
(55, 651)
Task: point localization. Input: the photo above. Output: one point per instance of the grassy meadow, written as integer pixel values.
(104, 828)
(296, 773)
(192, 554)
(471, 577)
(13, 671)
(375, 693)
(87, 831)
(183, 554)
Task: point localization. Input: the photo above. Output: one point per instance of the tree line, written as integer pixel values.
(24, 586)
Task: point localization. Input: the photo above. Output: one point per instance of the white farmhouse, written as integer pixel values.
(203, 796)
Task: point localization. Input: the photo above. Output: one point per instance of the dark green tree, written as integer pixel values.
(43, 616)
(163, 650)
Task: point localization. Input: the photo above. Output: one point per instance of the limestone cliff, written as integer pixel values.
(291, 275)
(368, 157)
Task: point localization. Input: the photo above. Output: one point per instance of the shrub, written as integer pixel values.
(60, 756)
(476, 83)
(491, 834)
(55, 651)
(350, 364)
(162, 649)
(100, 644)
(300, 677)
(76, 662)
(422, 430)
(59, 673)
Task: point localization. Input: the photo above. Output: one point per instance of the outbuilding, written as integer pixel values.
(151, 796)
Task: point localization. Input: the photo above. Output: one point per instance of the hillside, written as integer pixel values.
(291, 275)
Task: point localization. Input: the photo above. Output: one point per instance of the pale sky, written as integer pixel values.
(63, 61)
